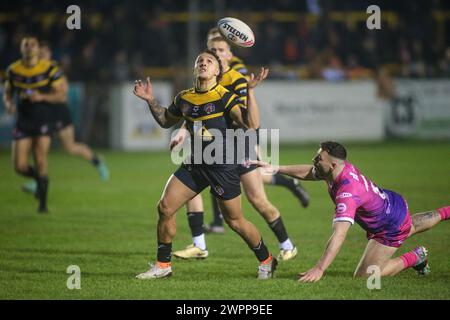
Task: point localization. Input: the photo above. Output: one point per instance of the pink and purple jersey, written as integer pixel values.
(358, 199)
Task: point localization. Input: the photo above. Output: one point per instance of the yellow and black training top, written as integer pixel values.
(207, 114)
(238, 65)
(24, 80)
(236, 83)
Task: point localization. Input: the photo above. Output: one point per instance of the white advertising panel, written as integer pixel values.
(132, 124)
(314, 110)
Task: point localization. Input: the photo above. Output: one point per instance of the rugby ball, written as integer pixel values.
(237, 32)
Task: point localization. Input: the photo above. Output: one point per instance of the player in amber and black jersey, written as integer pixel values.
(249, 175)
(37, 85)
(64, 130)
(209, 110)
(292, 184)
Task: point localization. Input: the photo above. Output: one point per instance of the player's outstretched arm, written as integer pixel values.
(299, 171)
(340, 229)
(164, 118)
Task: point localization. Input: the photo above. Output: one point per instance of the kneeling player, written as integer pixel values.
(382, 213)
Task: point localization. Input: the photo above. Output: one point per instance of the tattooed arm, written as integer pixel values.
(164, 118)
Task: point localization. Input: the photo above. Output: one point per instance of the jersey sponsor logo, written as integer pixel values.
(344, 195)
(195, 111)
(235, 32)
(209, 108)
(341, 208)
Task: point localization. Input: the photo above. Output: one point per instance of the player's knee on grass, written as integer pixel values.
(359, 273)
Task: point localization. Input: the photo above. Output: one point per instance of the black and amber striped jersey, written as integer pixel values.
(238, 65)
(236, 83)
(207, 114)
(24, 80)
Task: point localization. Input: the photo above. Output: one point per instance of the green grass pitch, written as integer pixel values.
(108, 230)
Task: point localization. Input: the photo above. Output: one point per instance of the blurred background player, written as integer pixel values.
(65, 131)
(194, 105)
(234, 62)
(216, 226)
(383, 213)
(39, 86)
(250, 176)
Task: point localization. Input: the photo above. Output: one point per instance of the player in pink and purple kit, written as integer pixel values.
(382, 213)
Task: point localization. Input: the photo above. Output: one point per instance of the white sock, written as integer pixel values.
(287, 245)
(199, 241)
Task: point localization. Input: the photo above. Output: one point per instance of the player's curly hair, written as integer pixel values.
(334, 149)
(218, 61)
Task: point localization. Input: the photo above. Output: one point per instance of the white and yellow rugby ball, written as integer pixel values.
(237, 32)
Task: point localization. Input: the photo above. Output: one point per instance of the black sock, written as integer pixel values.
(164, 252)
(261, 251)
(278, 228)
(195, 220)
(31, 172)
(42, 192)
(280, 180)
(218, 219)
(95, 160)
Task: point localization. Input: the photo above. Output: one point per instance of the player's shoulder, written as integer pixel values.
(52, 63)
(236, 59)
(238, 65)
(236, 75)
(185, 92)
(346, 185)
(16, 65)
(221, 90)
(46, 64)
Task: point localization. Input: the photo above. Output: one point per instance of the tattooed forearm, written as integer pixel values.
(158, 112)
(426, 220)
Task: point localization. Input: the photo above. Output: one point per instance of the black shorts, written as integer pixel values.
(245, 168)
(27, 129)
(62, 117)
(224, 182)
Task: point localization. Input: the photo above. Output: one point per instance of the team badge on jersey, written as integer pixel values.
(219, 190)
(209, 108)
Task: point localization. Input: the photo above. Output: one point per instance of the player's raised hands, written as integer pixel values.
(254, 81)
(143, 91)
